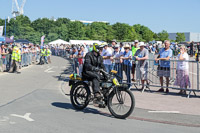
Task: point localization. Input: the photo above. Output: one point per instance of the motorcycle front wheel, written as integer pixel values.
(121, 103)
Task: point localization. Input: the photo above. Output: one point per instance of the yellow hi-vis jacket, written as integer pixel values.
(42, 52)
(16, 54)
(48, 52)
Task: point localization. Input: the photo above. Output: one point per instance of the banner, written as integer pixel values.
(1, 30)
(42, 40)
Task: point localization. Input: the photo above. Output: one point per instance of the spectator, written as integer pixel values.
(164, 65)
(191, 49)
(114, 42)
(126, 57)
(90, 48)
(134, 49)
(116, 61)
(153, 49)
(80, 57)
(3, 56)
(107, 53)
(121, 48)
(197, 52)
(182, 77)
(141, 56)
(75, 60)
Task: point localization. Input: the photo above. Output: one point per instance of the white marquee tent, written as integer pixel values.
(84, 42)
(59, 42)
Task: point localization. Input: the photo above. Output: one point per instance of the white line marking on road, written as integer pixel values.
(12, 122)
(48, 70)
(26, 116)
(4, 119)
(173, 112)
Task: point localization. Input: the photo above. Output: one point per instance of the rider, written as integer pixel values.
(91, 72)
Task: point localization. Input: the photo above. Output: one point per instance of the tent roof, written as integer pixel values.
(59, 41)
(8, 40)
(84, 41)
(22, 41)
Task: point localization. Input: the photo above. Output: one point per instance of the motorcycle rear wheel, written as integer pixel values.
(79, 95)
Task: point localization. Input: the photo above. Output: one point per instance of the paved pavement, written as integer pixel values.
(34, 101)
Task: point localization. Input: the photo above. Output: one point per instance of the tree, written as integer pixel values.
(76, 31)
(43, 25)
(163, 36)
(180, 37)
(143, 32)
(52, 37)
(124, 32)
(97, 31)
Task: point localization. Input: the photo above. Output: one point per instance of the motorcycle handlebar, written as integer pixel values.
(104, 72)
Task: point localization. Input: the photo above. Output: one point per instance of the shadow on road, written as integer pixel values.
(86, 110)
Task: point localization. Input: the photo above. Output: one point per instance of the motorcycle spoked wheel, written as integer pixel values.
(121, 103)
(79, 96)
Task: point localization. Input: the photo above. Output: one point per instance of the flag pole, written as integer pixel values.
(5, 30)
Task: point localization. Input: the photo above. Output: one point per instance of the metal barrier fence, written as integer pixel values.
(26, 60)
(153, 73)
(178, 79)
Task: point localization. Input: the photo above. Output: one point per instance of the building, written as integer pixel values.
(89, 22)
(189, 36)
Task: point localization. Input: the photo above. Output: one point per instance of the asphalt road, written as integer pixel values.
(33, 102)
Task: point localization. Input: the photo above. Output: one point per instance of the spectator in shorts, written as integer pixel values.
(164, 65)
(141, 56)
(182, 73)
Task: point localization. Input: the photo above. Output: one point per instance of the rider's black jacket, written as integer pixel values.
(91, 62)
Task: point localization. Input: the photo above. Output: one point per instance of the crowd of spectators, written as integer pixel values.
(122, 57)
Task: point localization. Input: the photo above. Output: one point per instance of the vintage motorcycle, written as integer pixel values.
(117, 97)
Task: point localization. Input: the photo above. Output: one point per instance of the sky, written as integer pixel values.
(158, 15)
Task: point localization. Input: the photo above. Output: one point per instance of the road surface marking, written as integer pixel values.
(26, 116)
(4, 119)
(48, 70)
(173, 112)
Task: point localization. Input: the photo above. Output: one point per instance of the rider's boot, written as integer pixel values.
(98, 101)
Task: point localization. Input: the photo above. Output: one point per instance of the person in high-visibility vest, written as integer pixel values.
(16, 59)
(42, 53)
(48, 54)
(45, 54)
